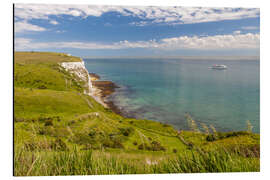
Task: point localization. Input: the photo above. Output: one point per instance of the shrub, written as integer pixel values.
(135, 143)
(71, 122)
(143, 146)
(166, 125)
(42, 87)
(48, 122)
(211, 137)
(59, 119)
(92, 133)
(44, 119)
(219, 135)
(190, 145)
(174, 150)
(154, 146)
(238, 133)
(41, 132)
(126, 131)
(115, 143)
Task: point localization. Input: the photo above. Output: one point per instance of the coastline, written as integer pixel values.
(98, 89)
(102, 89)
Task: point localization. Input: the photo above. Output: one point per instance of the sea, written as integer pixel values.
(164, 90)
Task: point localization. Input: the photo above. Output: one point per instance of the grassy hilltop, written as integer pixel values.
(61, 131)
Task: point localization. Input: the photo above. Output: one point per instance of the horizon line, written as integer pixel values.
(225, 57)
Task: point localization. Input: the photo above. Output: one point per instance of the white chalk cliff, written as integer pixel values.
(78, 69)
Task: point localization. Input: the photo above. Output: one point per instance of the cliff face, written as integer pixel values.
(78, 69)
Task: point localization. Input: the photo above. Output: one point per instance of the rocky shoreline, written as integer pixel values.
(103, 89)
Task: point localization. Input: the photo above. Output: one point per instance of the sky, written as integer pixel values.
(84, 30)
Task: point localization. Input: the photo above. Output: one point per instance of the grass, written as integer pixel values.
(61, 131)
(89, 162)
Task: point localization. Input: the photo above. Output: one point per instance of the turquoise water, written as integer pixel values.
(164, 89)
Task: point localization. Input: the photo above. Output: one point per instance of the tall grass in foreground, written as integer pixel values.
(77, 162)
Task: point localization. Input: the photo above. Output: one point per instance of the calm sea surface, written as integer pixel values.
(164, 89)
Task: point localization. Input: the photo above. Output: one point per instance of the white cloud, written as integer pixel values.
(250, 27)
(54, 22)
(217, 42)
(23, 26)
(235, 41)
(148, 14)
(237, 32)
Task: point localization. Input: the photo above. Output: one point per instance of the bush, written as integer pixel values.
(166, 125)
(126, 131)
(92, 133)
(144, 146)
(42, 87)
(154, 146)
(41, 132)
(219, 135)
(211, 137)
(48, 123)
(115, 143)
(71, 122)
(135, 143)
(190, 145)
(238, 133)
(58, 118)
(44, 119)
(174, 150)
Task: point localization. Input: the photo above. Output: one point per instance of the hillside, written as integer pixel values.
(60, 130)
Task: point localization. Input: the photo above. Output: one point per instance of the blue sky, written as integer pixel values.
(137, 30)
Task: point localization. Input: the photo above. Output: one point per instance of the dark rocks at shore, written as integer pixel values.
(106, 87)
(94, 76)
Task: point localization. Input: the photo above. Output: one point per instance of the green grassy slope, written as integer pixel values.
(59, 130)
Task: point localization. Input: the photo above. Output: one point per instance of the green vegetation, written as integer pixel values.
(61, 131)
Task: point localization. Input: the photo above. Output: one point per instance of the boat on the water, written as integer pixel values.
(218, 66)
